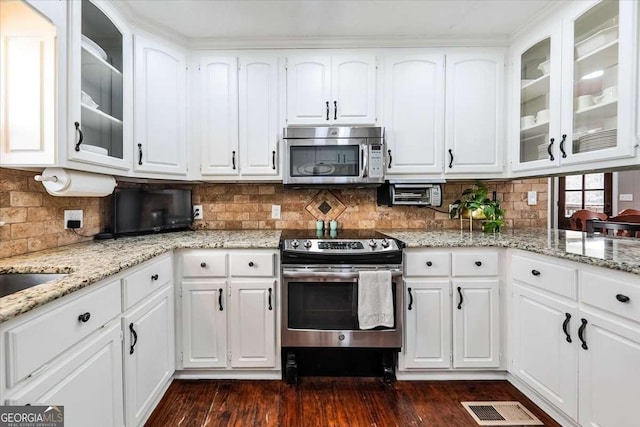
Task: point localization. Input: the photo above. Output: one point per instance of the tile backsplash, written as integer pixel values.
(34, 219)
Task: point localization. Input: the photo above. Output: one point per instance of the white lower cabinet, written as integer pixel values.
(204, 324)
(252, 323)
(476, 324)
(148, 354)
(544, 346)
(609, 366)
(88, 384)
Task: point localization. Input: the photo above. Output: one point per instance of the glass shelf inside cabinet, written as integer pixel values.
(535, 79)
(101, 83)
(595, 101)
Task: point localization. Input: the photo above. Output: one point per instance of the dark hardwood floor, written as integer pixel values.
(329, 401)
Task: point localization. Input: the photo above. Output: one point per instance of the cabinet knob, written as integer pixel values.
(429, 263)
(622, 298)
(154, 277)
(251, 264)
(478, 263)
(535, 272)
(203, 264)
(84, 318)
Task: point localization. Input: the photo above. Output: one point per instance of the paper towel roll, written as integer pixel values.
(70, 183)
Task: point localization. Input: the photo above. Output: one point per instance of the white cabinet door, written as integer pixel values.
(545, 347)
(609, 367)
(204, 325)
(258, 116)
(252, 323)
(413, 114)
(32, 63)
(353, 90)
(88, 384)
(427, 341)
(476, 328)
(219, 116)
(475, 109)
(308, 90)
(160, 142)
(148, 354)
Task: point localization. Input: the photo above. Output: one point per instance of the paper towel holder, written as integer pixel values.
(41, 178)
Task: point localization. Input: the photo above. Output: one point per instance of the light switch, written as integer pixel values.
(532, 198)
(626, 197)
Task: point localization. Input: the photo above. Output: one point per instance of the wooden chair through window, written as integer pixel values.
(579, 218)
(629, 212)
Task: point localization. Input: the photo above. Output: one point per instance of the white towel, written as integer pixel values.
(375, 299)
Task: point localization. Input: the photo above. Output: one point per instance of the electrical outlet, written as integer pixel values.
(198, 213)
(275, 211)
(452, 207)
(72, 215)
(532, 198)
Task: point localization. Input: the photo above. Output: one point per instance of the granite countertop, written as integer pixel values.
(617, 253)
(90, 262)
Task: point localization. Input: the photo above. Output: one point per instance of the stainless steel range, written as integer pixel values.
(320, 277)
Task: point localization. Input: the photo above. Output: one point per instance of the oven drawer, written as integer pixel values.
(252, 264)
(427, 263)
(474, 264)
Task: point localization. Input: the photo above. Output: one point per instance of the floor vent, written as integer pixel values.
(501, 414)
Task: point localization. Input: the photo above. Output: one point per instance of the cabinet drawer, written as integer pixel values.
(149, 278)
(204, 264)
(427, 264)
(34, 343)
(252, 264)
(474, 264)
(611, 295)
(551, 277)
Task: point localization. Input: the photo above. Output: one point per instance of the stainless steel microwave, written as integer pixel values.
(334, 155)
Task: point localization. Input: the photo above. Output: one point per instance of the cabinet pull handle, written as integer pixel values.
(335, 110)
(140, 154)
(251, 264)
(429, 263)
(203, 264)
(135, 338)
(327, 110)
(84, 318)
(220, 298)
(478, 263)
(270, 306)
(410, 299)
(581, 333)
(461, 298)
(622, 298)
(233, 159)
(565, 326)
(80, 136)
(451, 158)
(535, 272)
(564, 138)
(273, 160)
(390, 158)
(551, 141)
(154, 277)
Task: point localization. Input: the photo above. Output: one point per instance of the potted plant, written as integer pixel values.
(474, 204)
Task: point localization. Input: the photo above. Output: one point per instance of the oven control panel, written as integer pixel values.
(354, 246)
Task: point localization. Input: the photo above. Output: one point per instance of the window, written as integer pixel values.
(591, 192)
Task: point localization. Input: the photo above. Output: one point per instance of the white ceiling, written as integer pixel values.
(257, 19)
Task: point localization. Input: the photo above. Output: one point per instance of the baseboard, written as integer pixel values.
(451, 375)
(227, 375)
(547, 407)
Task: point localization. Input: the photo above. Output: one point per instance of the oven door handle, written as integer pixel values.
(330, 274)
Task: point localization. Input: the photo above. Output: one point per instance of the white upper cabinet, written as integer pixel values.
(327, 90)
(160, 107)
(573, 85)
(100, 95)
(413, 114)
(259, 116)
(474, 111)
(219, 115)
(32, 57)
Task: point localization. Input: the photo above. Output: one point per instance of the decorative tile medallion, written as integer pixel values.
(325, 206)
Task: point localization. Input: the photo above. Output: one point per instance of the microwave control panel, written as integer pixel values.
(376, 161)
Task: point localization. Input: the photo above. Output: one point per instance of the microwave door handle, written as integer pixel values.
(363, 161)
